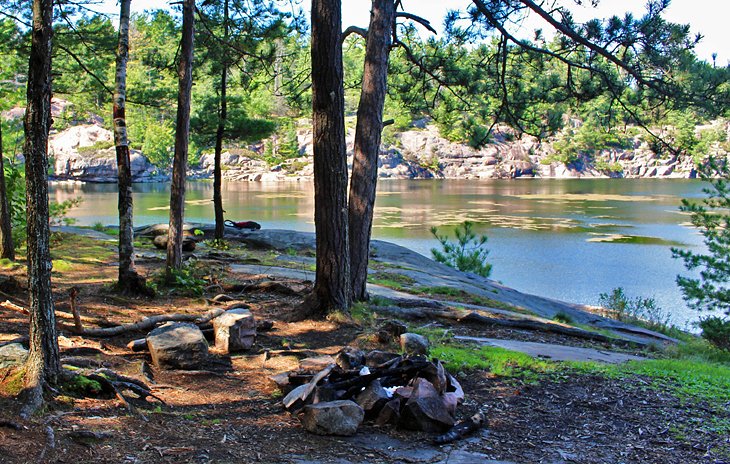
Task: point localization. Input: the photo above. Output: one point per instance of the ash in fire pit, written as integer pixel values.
(413, 392)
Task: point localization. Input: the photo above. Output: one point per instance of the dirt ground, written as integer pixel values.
(231, 412)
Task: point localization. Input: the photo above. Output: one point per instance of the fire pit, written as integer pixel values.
(409, 392)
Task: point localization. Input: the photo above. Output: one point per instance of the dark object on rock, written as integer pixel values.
(426, 410)
(414, 344)
(333, 418)
(390, 331)
(160, 242)
(350, 358)
(243, 224)
(462, 429)
(235, 330)
(377, 358)
(177, 345)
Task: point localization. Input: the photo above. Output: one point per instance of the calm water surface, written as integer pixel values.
(565, 239)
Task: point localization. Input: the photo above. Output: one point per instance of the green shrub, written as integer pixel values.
(640, 311)
(716, 330)
(467, 254)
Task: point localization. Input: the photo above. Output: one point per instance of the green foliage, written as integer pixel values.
(158, 142)
(83, 386)
(716, 330)
(563, 317)
(467, 254)
(711, 290)
(639, 311)
(217, 244)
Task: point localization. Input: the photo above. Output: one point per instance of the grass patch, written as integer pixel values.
(685, 378)
(391, 280)
(13, 383)
(61, 265)
(7, 265)
(461, 296)
(498, 361)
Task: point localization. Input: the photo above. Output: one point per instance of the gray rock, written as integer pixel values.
(177, 345)
(414, 344)
(372, 399)
(333, 418)
(12, 355)
(160, 242)
(350, 358)
(391, 330)
(235, 330)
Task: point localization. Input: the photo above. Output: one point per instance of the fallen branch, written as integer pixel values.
(7, 304)
(22, 340)
(461, 429)
(479, 318)
(150, 322)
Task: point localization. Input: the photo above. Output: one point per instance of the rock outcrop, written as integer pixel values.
(86, 153)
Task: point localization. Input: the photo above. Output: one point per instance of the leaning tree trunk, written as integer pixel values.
(182, 133)
(222, 116)
(43, 363)
(367, 141)
(129, 281)
(7, 250)
(332, 286)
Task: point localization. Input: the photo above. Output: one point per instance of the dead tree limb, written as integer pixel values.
(150, 322)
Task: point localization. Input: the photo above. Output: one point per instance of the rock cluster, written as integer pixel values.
(407, 392)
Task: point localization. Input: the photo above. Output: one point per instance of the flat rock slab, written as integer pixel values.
(556, 352)
(333, 418)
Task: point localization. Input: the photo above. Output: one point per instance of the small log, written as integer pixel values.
(138, 345)
(7, 304)
(22, 340)
(461, 429)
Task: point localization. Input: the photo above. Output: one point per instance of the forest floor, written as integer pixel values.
(671, 408)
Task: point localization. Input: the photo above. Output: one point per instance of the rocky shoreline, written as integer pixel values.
(85, 153)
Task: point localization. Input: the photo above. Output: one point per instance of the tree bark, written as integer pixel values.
(7, 249)
(367, 141)
(222, 116)
(332, 285)
(129, 281)
(182, 133)
(43, 359)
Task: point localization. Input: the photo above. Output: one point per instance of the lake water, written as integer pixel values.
(565, 239)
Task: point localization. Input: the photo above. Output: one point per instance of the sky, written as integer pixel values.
(707, 17)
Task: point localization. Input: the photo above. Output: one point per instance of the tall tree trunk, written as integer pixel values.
(222, 116)
(7, 250)
(182, 133)
(43, 362)
(129, 280)
(332, 286)
(367, 141)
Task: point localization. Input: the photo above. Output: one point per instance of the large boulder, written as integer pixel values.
(333, 418)
(160, 242)
(12, 355)
(177, 345)
(235, 330)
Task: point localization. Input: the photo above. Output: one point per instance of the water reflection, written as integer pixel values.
(567, 239)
